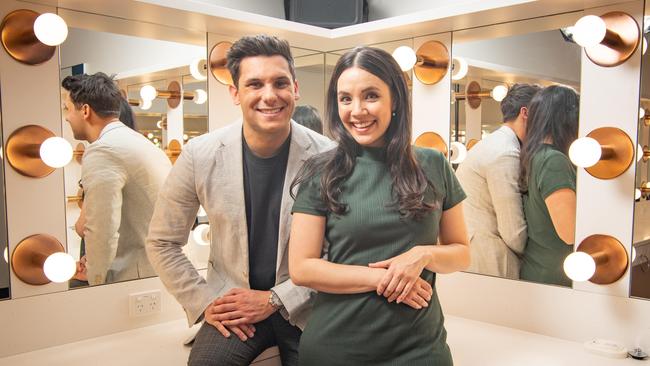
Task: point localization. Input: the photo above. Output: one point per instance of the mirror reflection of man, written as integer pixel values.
(121, 175)
(489, 175)
(241, 175)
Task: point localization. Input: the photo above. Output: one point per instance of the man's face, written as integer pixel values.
(266, 92)
(75, 117)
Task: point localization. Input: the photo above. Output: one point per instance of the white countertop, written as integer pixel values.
(472, 343)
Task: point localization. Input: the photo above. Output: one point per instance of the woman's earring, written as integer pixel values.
(394, 114)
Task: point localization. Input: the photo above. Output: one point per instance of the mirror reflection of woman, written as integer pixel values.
(382, 205)
(548, 181)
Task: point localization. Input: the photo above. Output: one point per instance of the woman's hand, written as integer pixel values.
(402, 273)
(420, 295)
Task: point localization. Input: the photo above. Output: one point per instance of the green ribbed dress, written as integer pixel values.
(365, 329)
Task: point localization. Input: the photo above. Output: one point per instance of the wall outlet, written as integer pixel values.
(145, 303)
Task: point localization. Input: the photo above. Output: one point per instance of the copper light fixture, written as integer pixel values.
(646, 153)
(433, 141)
(432, 62)
(622, 37)
(610, 257)
(645, 188)
(617, 153)
(218, 63)
(29, 256)
(173, 150)
(78, 152)
(173, 94)
(471, 143)
(473, 94)
(19, 40)
(79, 198)
(23, 151)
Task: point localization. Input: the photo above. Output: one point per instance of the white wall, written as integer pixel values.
(272, 8)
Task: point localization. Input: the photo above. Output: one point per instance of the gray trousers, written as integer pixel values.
(212, 348)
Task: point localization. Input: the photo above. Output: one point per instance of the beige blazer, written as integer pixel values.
(121, 173)
(209, 172)
(493, 209)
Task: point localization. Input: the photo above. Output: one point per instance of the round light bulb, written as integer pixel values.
(148, 93)
(585, 152)
(146, 104)
(60, 267)
(200, 96)
(201, 212)
(50, 29)
(641, 112)
(637, 194)
(460, 68)
(155, 141)
(405, 57)
(185, 137)
(579, 266)
(201, 234)
(56, 152)
(644, 45)
(458, 152)
(150, 135)
(6, 254)
(198, 69)
(159, 124)
(589, 31)
(499, 92)
(639, 152)
(633, 253)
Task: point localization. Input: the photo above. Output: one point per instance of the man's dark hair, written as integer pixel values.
(259, 45)
(309, 117)
(98, 90)
(519, 95)
(126, 114)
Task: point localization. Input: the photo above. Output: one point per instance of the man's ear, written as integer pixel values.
(523, 112)
(234, 94)
(86, 111)
(295, 90)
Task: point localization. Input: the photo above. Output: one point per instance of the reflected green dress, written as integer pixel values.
(550, 170)
(365, 329)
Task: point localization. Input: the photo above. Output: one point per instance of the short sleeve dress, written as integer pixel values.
(365, 329)
(550, 170)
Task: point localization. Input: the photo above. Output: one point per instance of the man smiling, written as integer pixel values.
(241, 175)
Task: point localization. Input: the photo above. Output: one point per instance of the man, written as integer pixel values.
(241, 175)
(489, 175)
(121, 175)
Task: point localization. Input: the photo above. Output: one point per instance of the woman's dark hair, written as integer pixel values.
(409, 181)
(98, 90)
(126, 114)
(309, 117)
(553, 113)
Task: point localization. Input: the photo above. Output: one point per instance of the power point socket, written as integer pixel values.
(145, 303)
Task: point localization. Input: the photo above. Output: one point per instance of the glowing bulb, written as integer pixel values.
(201, 212)
(589, 31)
(155, 141)
(60, 267)
(585, 152)
(185, 137)
(145, 105)
(579, 266)
(633, 253)
(639, 152)
(641, 112)
(499, 92)
(405, 57)
(56, 152)
(200, 96)
(460, 68)
(644, 45)
(148, 93)
(6, 253)
(201, 234)
(197, 69)
(637, 194)
(159, 124)
(50, 29)
(150, 135)
(458, 152)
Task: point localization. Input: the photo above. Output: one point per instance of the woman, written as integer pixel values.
(548, 182)
(381, 204)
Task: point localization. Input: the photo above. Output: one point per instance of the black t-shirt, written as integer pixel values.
(263, 183)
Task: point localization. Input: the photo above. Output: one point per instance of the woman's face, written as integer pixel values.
(365, 106)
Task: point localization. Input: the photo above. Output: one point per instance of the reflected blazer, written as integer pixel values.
(209, 172)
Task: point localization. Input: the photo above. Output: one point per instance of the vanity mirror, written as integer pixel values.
(497, 71)
(640, 265)
(4, 260)
(137, 56)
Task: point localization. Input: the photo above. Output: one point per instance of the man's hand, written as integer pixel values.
(243, 331)
(242, 306)
(81, 272)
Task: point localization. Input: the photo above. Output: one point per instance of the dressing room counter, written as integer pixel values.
(472, 343)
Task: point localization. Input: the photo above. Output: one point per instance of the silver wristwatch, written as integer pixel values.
(274, 300)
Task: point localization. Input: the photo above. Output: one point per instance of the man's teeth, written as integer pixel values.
(270, 111)
(363, 124)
